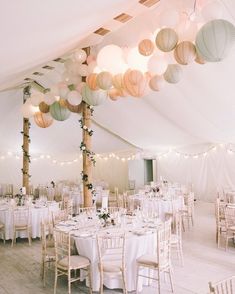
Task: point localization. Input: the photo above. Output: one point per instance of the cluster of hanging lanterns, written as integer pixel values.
(119, 72)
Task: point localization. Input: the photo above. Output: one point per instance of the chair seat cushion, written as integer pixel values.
(76, 261)
(148, 259)
(112, 266)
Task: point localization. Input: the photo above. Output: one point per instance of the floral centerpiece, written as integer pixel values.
(104, 216)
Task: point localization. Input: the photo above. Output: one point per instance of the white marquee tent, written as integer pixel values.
(190, 117)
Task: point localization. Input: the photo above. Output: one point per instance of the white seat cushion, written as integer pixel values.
(112, 266)
(148, 259)
(76, 261)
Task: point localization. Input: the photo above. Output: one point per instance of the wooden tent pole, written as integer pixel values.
(25, 146)
(86, 138)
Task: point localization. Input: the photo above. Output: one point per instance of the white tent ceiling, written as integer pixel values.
(200, 109)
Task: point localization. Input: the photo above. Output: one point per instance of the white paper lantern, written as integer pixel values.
(110, 58)
(28, 110)
(63, 89)
(156, 83)
(72, 66)
(70, 79)
(212, 10)
(94, 98)
(83, 70)
(80, 55)
(157, 65)
(137, 61)
(80, 86)
(36, 98)
(74, 98)
(173, 74)
(215, 40)
(168, 18)
(49, 98)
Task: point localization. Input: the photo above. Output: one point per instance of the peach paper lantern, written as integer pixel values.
(104, 80)
(156, 83)
(135, 83)
(166, 39)
(91, 81)
(185, 52)
(74, 108)
(43, 120)
(114, 94)
(199, 59)
(146, 47)
(44, 108)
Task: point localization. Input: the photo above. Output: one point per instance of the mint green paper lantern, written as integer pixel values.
(59, 112)
(93, 98)
(215, 40)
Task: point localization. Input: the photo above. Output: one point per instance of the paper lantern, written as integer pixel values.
(156, 83)
(146, 47)
(63, 89)
(43, 120)
(90, 58)
(62, 102)
(104, 80)
(83, 70)
(110, 58)
(72, 66)
(49, 98)
(166, 39)
(91, 81)
(80, 86)
(185, 52)
(91, 66)
(70, 79)
(113, 94)
(74, 98)
(212, 10)
(135, 83)
(28, 110)
(168, 18)
(215, 40)
(94, 98)
(80, 55)
(199, 59)
(173, 73)
(74, 108)
(137, 61)
(59, 112)
(157, 65)
(117, 81)
(44, 108)
(36, 98)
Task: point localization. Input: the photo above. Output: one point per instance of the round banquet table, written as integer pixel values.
(37, 214)
(136, 245)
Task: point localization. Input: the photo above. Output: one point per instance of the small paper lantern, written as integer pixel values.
(199, 59)
(28, 110)
(117, 81)
(166, 39)
(146, 47)
(94, 98)
(185, 52)
(91, 81)
(83, 70)
(215, 40)
(156, 83)
(49, 98)
(59, 112)
(74, 108)
(114, 94)
(104, 80)
(135, 83)
(62, 102)
(173, 73)
(43, 120)
(80, 55)
(90, 58)
(74, 98)
(44, 108)
(36, 98)
(157, 65)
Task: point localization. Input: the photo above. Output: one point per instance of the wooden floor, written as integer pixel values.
(20, 265)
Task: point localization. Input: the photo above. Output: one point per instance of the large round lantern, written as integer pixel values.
(146, 47)
(104, 80)
(74, 108)
(135, 83)
(166, 39)
(173, 73)
(36, 98)
(43, 120)
(28, 110)
(94, 98)
(185, 52)
(59, 112)
(215, 40)
(91, 81)
(156, 83)
(43, 107)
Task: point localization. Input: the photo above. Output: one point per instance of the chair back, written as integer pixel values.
(111, 248)
(21, 217)
(46, 236)
(164, 244)
(230, 216)
(67, 205)
(226, 286)
(59, 216)
(62, 246)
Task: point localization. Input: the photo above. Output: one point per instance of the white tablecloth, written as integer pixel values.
(37, 216)
(135, 247)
